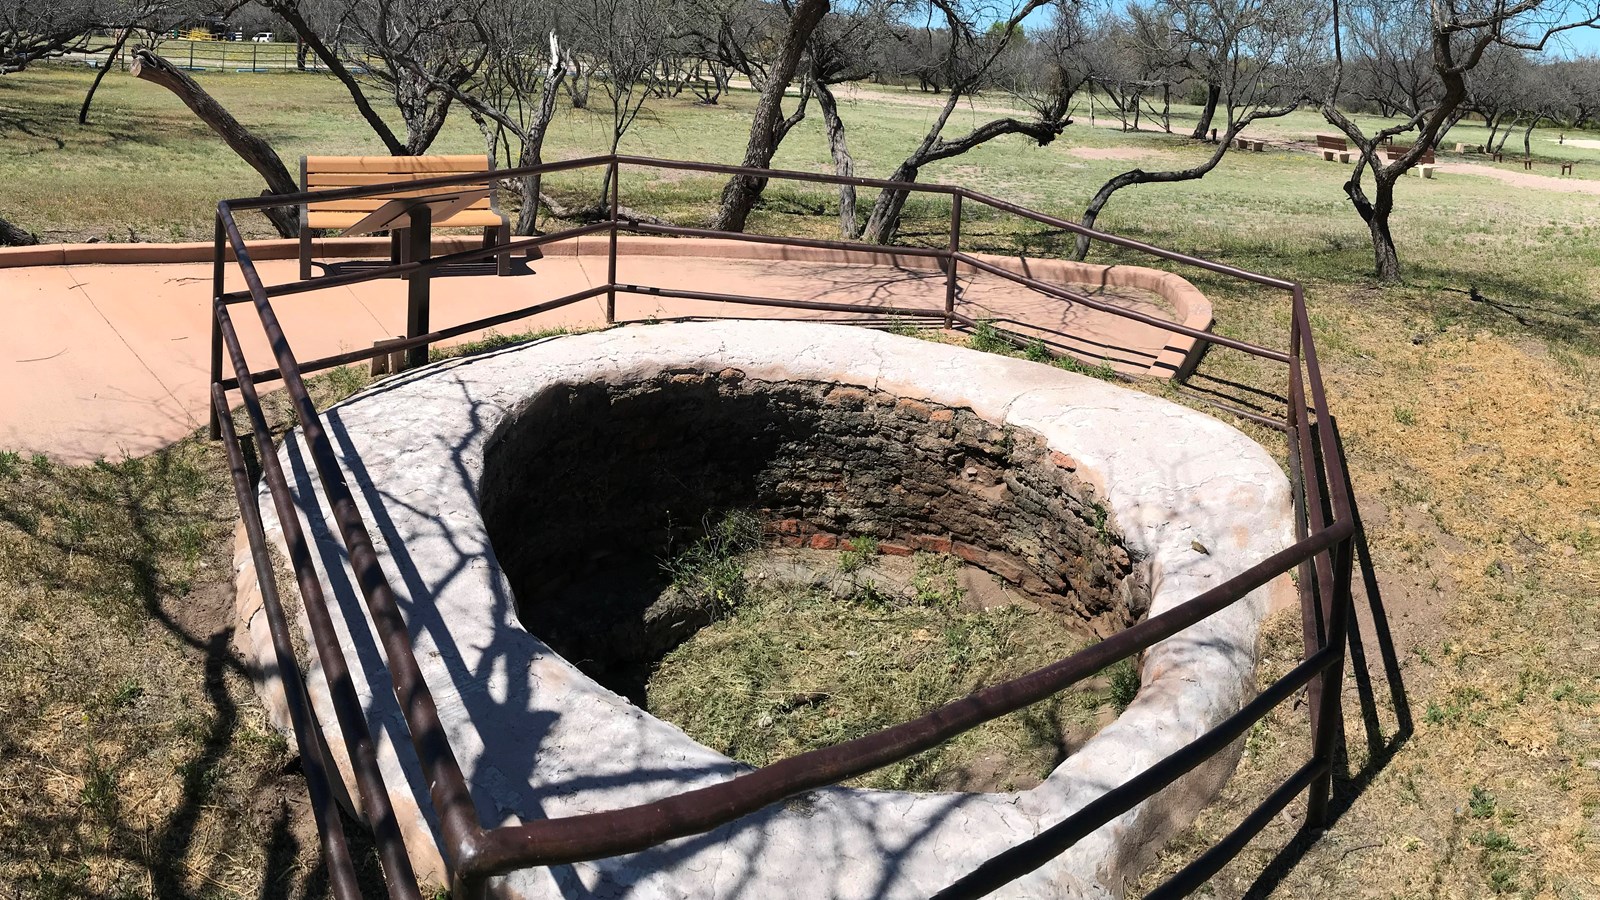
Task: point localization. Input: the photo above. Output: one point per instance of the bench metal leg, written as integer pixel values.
(500, 236)
(305, 253)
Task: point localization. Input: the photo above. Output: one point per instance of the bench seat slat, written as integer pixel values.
(472, 218)
(368, 204)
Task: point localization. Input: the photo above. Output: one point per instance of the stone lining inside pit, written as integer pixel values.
(589, 486)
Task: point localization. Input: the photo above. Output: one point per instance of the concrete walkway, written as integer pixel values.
(106, 360)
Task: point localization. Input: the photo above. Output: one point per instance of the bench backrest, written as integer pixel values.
(328, 172)
(1328, 142)
(1395, 151)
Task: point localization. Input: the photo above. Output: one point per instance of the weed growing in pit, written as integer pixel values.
(858, 553)
(935, 581)
(710, 571)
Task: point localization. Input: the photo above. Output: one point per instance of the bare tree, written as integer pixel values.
(627, 39)
(1459, 34)
(769, 126)
(317, 29)
(973, 55)
(414, 48)
(1260, 74)
(512, 94)
(841, 51)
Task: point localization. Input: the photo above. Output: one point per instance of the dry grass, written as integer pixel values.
(795, 668)
(135, 760)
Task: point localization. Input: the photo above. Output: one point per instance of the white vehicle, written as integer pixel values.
(264, 37)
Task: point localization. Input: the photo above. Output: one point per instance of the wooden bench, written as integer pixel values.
(1566, 168)
(1252, 144)
(1333, 148)
(1425, 164)
(330, 172)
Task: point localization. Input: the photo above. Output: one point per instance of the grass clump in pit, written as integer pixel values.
(795, 668)
(710, 570)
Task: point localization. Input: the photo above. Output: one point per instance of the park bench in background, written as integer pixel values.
(1425, 165)
(329, 172)
(1252, 144)
(1566, 168)
(1333, 148)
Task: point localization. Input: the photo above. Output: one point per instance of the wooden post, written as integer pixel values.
(420, 235)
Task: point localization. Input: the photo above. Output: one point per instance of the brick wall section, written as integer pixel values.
(591, 481)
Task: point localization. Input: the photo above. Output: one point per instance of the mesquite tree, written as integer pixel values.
(1261, 73)
(974, 54)
(769, 126)
(414, 49)
(844, 48)
(1459, 34)
(512, 94)
(149, 66)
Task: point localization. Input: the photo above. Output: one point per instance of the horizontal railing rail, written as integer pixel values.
(1322, 554)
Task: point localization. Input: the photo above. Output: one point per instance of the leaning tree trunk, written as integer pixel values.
(1213, 94)
(12, 236)
(1139, 176)
(88, 97)
(766, 130)
(1527, 137)
(844, 165)
(884, 222)
(252, 149)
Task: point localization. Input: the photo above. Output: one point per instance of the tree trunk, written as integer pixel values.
(1527, 136)
(252, 149)
(1375, 212)
(12, 236)
(741, 193)
(884, 222)
(533, 150)
(843, 164)
(1140, 176)
(1213, 94)
(111, 58)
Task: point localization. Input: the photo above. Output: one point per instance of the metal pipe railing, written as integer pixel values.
(1322, 552)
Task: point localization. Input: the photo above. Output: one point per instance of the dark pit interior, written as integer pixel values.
(588, 487)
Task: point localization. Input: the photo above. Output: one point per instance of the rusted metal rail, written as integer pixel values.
(1322, 555)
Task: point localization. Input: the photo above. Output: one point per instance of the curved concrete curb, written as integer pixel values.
(536, 738)
(1177, 359)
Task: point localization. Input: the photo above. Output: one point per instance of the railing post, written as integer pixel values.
(950, 274)
(218, 268)
(420, 236)
(611, 256)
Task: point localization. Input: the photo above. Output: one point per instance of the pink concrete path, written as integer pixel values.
(106, 360)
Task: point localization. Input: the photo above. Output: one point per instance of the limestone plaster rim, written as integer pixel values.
(537, 738)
